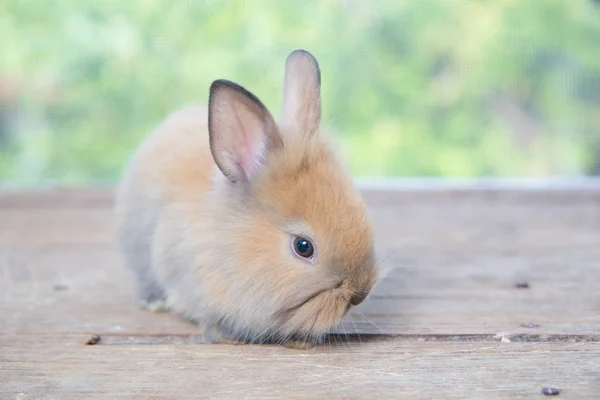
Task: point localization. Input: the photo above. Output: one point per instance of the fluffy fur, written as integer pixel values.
(210, 204)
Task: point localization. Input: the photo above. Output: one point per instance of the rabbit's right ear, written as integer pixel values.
(302, 92)
(242, 131)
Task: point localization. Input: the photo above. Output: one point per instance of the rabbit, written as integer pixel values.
(251, 228)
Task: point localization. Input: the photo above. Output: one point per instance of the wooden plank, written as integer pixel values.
(456, 256)
(56, 197)
(60, 366)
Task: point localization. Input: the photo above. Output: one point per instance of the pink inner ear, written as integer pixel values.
(250, 146)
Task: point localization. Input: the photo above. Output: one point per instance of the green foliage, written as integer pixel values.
(422, 88)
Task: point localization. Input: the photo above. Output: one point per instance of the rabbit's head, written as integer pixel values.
(300, 240)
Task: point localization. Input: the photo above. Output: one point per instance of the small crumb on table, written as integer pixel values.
(530, 325)
(59, 287)
(93, 340)
(550, 391)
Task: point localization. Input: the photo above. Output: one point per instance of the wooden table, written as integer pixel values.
(447, 322)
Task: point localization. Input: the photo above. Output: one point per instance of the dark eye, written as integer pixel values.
(303, 247)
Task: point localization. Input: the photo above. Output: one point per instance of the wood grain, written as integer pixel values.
(455, 258)
(60, 366)
(446, 322)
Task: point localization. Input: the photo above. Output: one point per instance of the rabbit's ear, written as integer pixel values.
(302, 92)
(241, 129)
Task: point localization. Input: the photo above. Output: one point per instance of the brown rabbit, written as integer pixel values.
(250, 228)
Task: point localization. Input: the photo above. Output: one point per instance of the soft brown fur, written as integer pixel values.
(207, 228)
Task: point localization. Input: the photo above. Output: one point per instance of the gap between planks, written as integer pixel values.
(333, 339)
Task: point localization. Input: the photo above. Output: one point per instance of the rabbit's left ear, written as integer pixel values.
(242, 132)
(302, 92)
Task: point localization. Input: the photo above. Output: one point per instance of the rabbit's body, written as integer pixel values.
(220, 208)
(170, 172)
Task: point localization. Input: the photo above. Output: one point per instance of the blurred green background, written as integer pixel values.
(428, 88)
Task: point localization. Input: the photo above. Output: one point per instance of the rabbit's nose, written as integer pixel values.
(359, 296)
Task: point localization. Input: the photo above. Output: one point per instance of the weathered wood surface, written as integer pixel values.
(454, 258)
(60, 365)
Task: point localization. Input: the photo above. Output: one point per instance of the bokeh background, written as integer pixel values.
(428, 88)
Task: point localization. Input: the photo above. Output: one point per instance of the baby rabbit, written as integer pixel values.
(249, 227)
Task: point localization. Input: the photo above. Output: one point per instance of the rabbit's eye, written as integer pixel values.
(303, 247)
